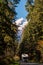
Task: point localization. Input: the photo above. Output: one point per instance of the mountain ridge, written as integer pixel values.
(21, 23)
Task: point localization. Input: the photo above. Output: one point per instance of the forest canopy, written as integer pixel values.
(32, 42)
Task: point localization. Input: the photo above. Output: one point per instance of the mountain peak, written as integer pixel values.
(21, 23)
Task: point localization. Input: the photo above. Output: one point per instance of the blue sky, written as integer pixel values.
(21, 9)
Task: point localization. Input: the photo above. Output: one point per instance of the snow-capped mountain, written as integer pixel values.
(21, 25)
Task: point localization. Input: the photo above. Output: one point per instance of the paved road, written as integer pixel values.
(27, 63)
(30, 63)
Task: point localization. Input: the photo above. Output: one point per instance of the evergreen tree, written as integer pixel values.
(33, 33)
(7, 30)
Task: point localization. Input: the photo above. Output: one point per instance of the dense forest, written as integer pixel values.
(7, 30)
(32, 42)
(32, 37)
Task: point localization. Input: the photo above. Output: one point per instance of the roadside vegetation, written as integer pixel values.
(32, 37)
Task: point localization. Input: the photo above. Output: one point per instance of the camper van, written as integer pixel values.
(25, 57)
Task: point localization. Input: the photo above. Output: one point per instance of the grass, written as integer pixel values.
(15, 63)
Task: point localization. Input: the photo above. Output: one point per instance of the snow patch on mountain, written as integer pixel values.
(21, 23)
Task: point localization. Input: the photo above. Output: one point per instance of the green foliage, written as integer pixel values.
(7, 31)
(17, 63)
(33, 32)
(1, 1)
(14, 63)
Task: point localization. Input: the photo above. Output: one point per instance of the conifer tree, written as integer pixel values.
(33, 33)
(7, 30)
